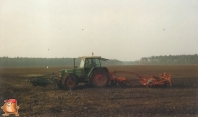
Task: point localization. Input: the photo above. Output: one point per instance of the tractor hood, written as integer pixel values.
(64, 72)
(67, 70)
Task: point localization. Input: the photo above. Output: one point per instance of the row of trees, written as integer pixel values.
(25, 61)
(171, 59)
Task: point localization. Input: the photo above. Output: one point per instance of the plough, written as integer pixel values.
(90, 72)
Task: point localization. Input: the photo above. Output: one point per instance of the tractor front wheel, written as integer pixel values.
(71, 82)
(100, 78)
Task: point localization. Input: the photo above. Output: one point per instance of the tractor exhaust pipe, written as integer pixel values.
(74, 66)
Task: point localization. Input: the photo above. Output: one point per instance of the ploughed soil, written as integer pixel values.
(112, 101)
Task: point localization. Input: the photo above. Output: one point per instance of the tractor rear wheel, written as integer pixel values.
(99, 78)
(71, 82)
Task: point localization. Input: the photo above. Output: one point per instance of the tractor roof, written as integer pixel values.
(97, 57)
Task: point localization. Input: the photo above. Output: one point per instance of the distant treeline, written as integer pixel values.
(171, 59)
(153, 60)
(25, 61)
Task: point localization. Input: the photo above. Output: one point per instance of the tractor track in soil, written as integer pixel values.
(179, 100)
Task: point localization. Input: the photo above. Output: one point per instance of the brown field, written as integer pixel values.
(177, 101)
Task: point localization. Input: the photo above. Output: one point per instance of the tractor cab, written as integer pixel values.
(88, 63)
(91, 62)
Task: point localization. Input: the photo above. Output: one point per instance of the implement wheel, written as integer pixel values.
(150, 85)
(166, 84)
(100, 78)
(71, 82)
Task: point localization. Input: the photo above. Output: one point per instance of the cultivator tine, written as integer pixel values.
(44, 80)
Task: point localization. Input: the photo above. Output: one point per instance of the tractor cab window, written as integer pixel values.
(88, 63)
(96, 62)
(82, 63)
(92, 63)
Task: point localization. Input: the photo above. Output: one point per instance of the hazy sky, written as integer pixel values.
(114, 29)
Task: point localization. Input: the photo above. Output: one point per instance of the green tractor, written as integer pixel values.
(90, 72)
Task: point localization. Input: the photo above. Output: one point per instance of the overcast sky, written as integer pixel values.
(116, 29)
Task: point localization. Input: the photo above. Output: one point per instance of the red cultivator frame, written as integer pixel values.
(149, 81)
(119, 80)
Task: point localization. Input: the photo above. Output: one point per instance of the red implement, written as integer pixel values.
(149, 81)
(119, 80)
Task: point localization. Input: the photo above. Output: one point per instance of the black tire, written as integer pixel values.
(100, 78)
(166, 84)
(71, 82)
(122, 84)
(129, 83)
(150, 85)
